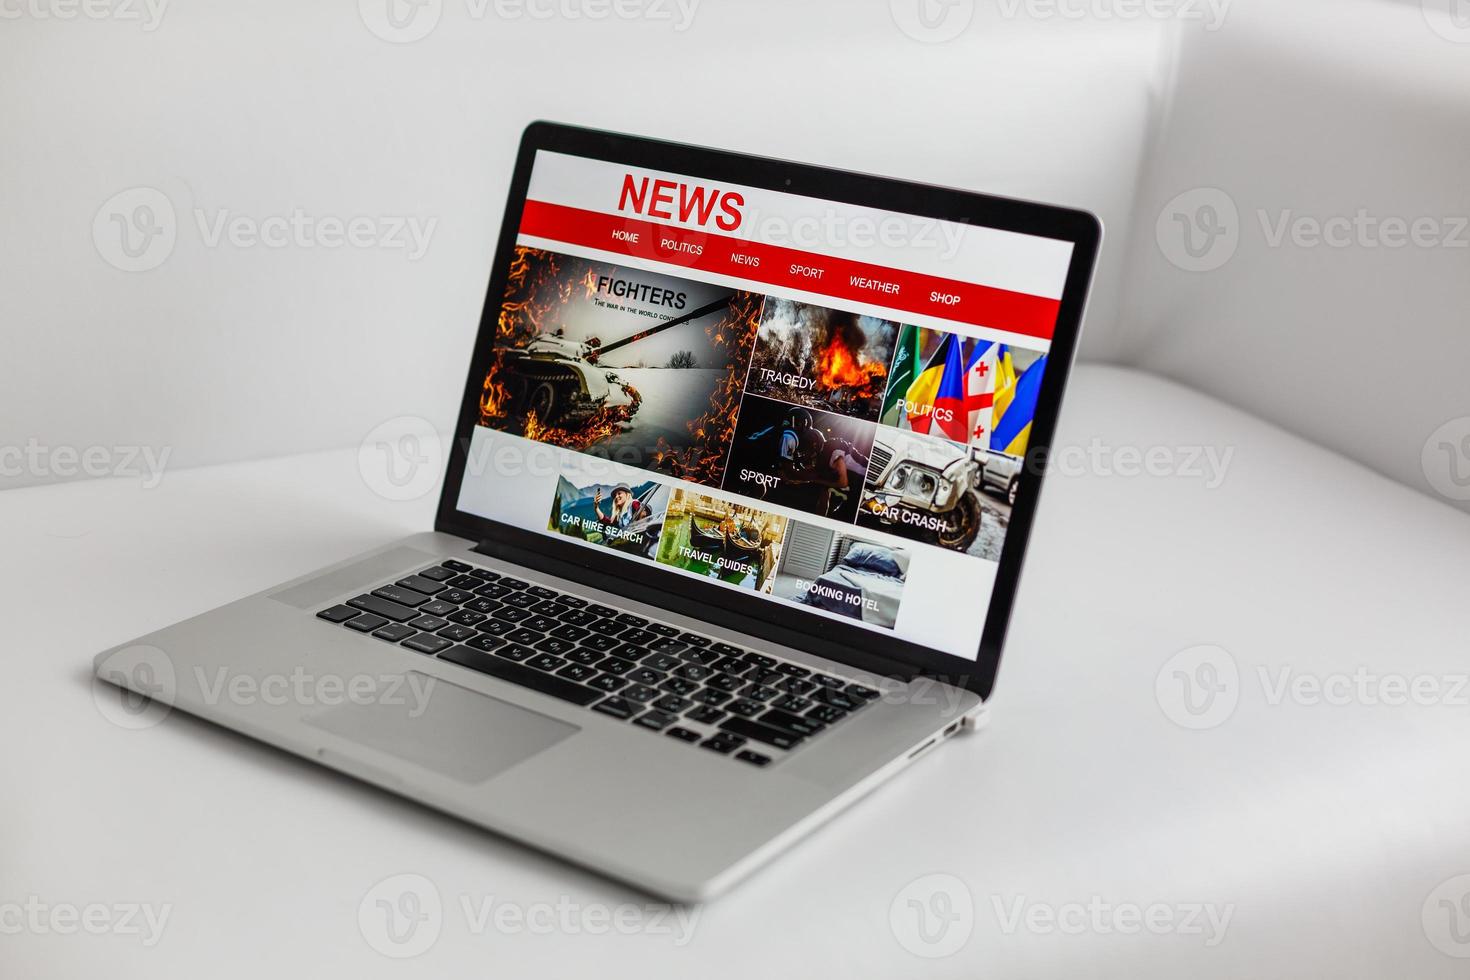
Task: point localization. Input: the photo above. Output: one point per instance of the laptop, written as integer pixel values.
(732, 523)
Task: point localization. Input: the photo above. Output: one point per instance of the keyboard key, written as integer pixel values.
(545, 661)
(826, 715)
(724, 682)
(760, 660)
(615, 665)
(795, 724)
(523, 635)
(485, 574)
(759, 692)
(508, 615)
(582, 655)
(496, 627)
(608, 627)
(541, 592)
(662, 629)
(730, 665)
(455, 596)
(745, 707)
(456, 565)
(382, 607)
(438, 573)
(337, 614)
(655, 720)
(541, 624)
(419, 583)
(576, 672)
(554, 610)
(578, 617)
(394, 632)
(402, 596)
(521, 600)
(427, 643)
(641, 693)
(763, 675)
(754, 758)
(566, 632)
(608, 682)
(678, 685)
(498, 667)
(429, 623)
(466, 617)
(628, 619)
(671, 702)
(695, 640)
(642, 637)
(709, 695)
(437, 608)
(643, 675)
(791, 703)
(858, 691)
(571, 600)
(464, 582)
(682, 734)
(726, 650)
(514, 583)
(792, 685)
(826, 680)
(366, 623)
(661, 661)
(668, 645)
(761, 733)
(482, 605)
(792, 670)
(492, 591)
(836, 699)
(722, 742)
(600, 643)
(705, 715)
(458, 634)
(699, 656)
(602, 612)
(557, 646)
(692, 672)
(516, 652)
(617, 707)
(485, 642)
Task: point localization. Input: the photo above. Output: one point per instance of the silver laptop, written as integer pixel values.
(733, 519)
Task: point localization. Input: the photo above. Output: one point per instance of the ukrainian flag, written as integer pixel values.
(1013, 418)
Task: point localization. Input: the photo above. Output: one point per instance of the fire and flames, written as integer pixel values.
(837, 366)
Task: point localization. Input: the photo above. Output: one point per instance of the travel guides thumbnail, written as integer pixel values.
(640, 368)
(720, 539)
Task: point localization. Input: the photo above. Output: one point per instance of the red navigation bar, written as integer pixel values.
(777, 265)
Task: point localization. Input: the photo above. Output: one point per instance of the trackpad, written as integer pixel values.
(447, 728)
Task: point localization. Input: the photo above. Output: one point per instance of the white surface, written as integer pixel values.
(225, 352)
(1326, 828)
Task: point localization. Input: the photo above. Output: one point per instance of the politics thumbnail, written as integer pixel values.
(640, 368)
(842, 574)
(822, 358)
(628, 517)
(799, 457)
(720, 539)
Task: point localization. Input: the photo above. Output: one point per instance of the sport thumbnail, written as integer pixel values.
(842, 574)
(626, 517)
(822, 358)
(723, 540)
(930, 490)
(640, 368)
(799, 457)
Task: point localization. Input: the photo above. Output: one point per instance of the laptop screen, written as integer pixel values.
(821, 405)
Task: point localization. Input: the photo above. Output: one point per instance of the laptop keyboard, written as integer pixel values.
(652, 675)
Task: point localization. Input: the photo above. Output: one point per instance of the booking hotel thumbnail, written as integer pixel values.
(628, 517)
(799, 457)
(632, 366)
(720, 539)
(842, 574)
(822, 358)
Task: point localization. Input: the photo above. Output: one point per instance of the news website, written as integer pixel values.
(816, 403)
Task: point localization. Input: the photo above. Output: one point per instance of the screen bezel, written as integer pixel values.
(751, 613)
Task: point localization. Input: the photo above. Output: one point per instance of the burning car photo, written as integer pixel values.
(822, 358)
(928, 489)
(632, 366)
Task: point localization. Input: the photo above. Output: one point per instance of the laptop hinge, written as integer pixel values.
(654, 596)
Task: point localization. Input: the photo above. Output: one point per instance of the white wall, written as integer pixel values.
(224, 353)
(1318, 109)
